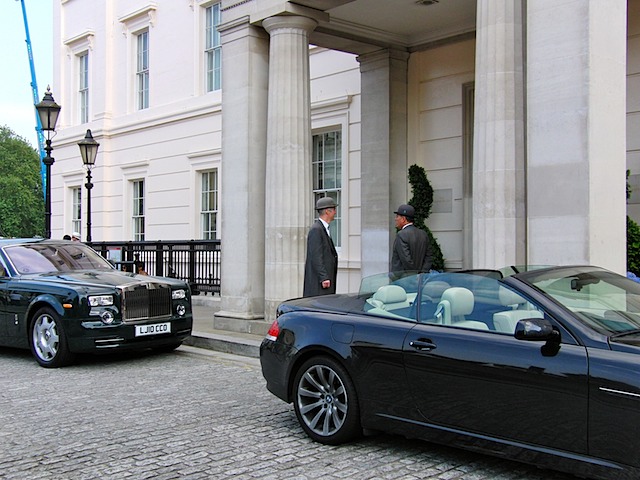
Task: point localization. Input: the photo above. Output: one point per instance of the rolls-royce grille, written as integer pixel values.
(146, 302)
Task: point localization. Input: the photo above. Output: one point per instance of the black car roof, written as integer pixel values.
(4, 242)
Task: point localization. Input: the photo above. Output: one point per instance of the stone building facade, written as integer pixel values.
(228, 118)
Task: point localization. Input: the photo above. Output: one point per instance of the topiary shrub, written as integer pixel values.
(633, 246)
(633, 239)
(422, 200)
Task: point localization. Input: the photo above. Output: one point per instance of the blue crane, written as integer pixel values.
(36, 96)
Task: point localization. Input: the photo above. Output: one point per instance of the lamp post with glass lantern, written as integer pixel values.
(48, 111)
(89, 151)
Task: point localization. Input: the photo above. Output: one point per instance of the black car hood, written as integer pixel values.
(95, 278)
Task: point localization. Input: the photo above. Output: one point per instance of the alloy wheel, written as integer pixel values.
(46, 339)
(322, 400)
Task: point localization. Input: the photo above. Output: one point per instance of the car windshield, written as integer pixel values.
(606, 302)
(45, 258)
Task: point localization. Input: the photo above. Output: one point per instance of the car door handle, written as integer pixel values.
(422, 344)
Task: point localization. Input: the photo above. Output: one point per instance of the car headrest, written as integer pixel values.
(460, 299)
(390, 294)
(435, 289)
(509, 297)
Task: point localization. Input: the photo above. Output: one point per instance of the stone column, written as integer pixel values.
(499, 208)
(576, 107)
(288, 195)
(245, 51)
(384, 167)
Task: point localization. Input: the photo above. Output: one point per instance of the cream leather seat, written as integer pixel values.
(519, 309)
(457, 302)
(391, 297)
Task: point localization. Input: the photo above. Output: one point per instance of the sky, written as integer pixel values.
(16, 99)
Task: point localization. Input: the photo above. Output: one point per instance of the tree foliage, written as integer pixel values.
(633, 246)
(422, 200)
(633, 239)
(21, 197)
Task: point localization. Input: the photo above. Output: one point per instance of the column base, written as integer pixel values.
(233, 322)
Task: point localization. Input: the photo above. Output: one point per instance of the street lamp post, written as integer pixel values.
(48, 111)
(89, 151)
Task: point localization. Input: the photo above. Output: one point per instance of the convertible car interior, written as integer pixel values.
(492, 307)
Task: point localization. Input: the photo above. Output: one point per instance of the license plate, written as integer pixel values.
(155, 329)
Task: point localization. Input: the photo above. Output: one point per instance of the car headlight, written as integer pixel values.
(178, 294)
(100, 300)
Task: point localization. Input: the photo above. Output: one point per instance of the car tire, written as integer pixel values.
(48, 340)
(325, 401)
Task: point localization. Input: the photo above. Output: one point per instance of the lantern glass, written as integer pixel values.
(88, 150)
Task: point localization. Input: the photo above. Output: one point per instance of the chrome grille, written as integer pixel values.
(144, 302)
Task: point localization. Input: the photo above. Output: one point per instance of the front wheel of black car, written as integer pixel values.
(325, 401)
(48, 341)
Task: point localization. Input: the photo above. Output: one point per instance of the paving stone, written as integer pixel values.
(192, 414)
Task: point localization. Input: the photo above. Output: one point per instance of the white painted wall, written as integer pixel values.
(179, 136)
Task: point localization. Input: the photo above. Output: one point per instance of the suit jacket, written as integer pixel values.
(321, 263)
(411, 251)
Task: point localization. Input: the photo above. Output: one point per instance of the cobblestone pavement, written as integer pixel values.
(191, 414)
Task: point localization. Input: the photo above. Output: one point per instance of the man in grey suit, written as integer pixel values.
(321, 266)
(411, 249)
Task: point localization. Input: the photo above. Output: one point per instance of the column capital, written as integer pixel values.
(289, 21)
(381, 58)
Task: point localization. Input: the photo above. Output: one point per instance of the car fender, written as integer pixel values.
(328, 338)
(41, 300)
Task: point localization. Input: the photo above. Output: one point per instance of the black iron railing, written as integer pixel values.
(196, 261)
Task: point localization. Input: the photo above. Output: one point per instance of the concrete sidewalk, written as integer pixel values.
(205, 335)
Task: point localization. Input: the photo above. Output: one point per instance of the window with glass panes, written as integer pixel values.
(209, 205)
(76, 209)
(142, 70)
(137, 217)
(83, 86)
(212, 52)
(327, 175)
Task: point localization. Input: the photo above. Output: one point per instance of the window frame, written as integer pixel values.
(138, 210)
(209, 216)
(142, 69)
(78, 46)
(336, 190)
(83, 86)
(76, 209)
(212, 48)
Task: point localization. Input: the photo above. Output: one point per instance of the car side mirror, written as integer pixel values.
(539, 329)
(536, 329)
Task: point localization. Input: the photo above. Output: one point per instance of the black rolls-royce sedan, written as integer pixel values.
(540, 366)
(60, 298)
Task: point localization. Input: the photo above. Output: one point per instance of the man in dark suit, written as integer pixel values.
(321, 266)
(411, 249)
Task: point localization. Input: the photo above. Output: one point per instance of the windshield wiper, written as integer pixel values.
(635, 331)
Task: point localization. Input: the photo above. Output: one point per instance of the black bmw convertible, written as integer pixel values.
(536, 365)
